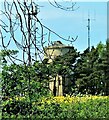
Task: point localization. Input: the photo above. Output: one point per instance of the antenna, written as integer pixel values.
(89, 28)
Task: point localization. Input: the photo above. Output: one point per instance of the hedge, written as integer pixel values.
(82, 107)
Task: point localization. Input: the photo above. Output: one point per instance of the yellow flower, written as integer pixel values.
(70, 99)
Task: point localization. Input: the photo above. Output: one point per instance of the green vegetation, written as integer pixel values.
(87, 107)
(24, 87)
(92, 71)
(88, 72)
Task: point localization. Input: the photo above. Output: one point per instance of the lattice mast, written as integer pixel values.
(88, 27)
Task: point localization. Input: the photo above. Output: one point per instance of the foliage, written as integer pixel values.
(86, 73)
(22, 81)
(75, 107)
(84, 70)
(101, 49)
(105, 68)
(23, 29)
(91, 74)
(25, 88)
(64, 66)
(6, 53)
(83, 107)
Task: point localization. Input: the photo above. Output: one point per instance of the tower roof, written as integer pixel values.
(58, 44)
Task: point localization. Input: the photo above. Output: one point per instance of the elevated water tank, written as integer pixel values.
(56, 49)
(51, 52)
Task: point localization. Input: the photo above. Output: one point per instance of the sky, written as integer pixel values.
(74, 23)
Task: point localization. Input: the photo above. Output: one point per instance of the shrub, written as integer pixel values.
(86, 107)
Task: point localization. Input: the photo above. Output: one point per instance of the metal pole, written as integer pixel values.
(88, 33)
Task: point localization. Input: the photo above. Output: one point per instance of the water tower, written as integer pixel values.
(56, 49)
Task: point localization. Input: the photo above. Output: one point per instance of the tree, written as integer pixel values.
(18, 94)
(91, 71)
(64, 66)
(6, 55)
(22, 18)
(84, 73)
(101, 49)
(19, 29)
(104, 65)
(107, 69)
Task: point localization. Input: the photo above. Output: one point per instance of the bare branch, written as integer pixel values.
(21, 18)
(71, 7)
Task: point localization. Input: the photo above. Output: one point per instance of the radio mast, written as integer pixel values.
(88, 29)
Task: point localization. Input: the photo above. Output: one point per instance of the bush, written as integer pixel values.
(22, 85)
(86, 107)
(25, 95)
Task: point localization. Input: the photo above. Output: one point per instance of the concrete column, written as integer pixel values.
(56, 83)
(57, 86)
(60, 86)
(51, 84)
